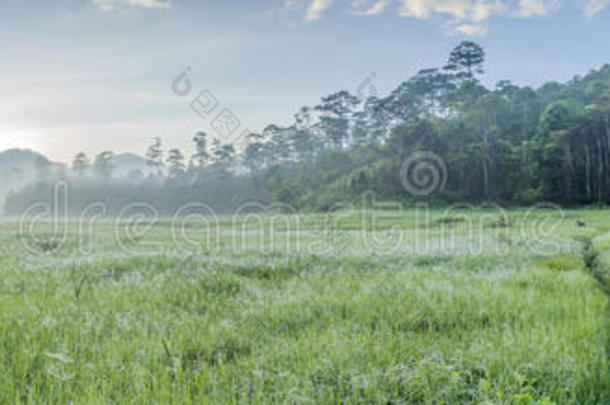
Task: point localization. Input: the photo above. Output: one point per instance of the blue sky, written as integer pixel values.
(96, 74)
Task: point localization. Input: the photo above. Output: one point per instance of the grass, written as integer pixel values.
(384, 308)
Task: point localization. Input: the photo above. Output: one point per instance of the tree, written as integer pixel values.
(466, 59)
(80, 164)
(201, 156)
(103, 164)
(412, 136)
(302, 144)
(429, 85)
(253, 157)
(224, 156)
(175, 160)
(401, 105)
(336, 111)
(558, 156)
(277, 148)
(154, 155)
(306, 138)
(370, 124)
(485, 123)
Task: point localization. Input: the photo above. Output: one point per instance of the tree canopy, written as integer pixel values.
(509, 144)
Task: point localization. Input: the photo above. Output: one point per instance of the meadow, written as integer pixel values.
(391, 307)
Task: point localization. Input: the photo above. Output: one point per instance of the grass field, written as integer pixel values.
(358, 307)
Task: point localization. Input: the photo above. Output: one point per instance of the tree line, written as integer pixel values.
(510, 144)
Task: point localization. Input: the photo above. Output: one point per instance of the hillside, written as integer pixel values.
(19, 167)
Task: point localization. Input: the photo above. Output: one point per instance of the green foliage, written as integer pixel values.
(560, 262)
(467, 58)
(591, 259)
(511, 145)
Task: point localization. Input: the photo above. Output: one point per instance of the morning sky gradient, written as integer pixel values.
(92, 75)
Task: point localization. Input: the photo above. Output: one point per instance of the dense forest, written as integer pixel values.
(511, 145)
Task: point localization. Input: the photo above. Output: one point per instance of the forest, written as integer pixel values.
(510, 145)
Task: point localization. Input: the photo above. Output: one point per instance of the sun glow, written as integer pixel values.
(20, 138)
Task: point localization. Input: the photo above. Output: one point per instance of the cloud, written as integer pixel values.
(150, 3)
(471, 30)
(316, 8)
(465, 17)
(459, 10)
(105, 5)
(530, 8)
(595, 7)
(111, 5)
(422, 9)
(362, 8)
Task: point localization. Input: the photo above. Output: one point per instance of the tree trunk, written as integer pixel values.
(588, 173)
(485, 177)
(600, 169)
(569, 174)
(607, 154)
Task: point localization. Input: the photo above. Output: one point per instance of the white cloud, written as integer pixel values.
(529, 8)
(362, 7)
(105, 5)
(111, 5)
(471, 30)
(150, 3)
(594, 7)
(316, 8)
(466, 17)
(423, 8)
(460, 10)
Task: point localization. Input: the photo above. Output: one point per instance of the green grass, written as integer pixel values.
(383, 308)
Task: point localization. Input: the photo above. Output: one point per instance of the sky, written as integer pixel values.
(94, 75)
